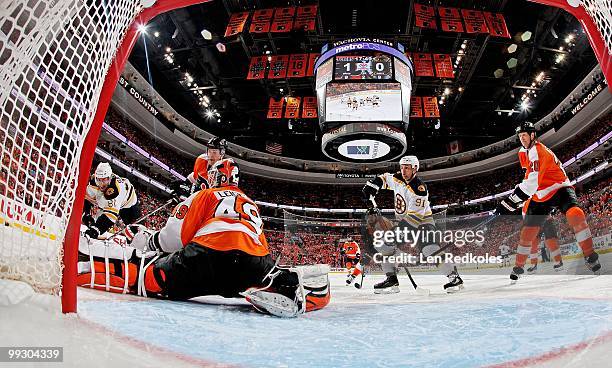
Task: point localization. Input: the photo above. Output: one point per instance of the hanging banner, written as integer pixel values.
(278, 67)
(236, 23)
(309, 110)
(444, 66)
(298, 65)
(416, 107)
(450, 19)
(423, 66)
(312, 59)
(474, 21)
(497, 24)
(275, 108)
(257, 67)
(425, 16)
(305, 19)
(260, 23)
(283, 20)
(293, 107)
(430, 107)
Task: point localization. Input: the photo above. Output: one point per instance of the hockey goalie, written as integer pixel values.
(212, 244)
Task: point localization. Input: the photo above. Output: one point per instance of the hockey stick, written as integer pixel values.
(142, 218)
(419, 290)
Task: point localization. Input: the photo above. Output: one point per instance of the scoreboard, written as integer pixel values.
(363, 88)
(363, 67)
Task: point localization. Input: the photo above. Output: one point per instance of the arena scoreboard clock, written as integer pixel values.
(363, 93)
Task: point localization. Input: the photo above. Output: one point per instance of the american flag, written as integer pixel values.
(274, 148)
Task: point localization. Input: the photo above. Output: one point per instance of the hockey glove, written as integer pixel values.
(512, 203)
(92, 232)
(153, 243)
(371, 188)
(180, 188)
(88, 220)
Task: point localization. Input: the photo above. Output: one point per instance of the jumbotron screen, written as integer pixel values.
(363, 102)
(363, 67)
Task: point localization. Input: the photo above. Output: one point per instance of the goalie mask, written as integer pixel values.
(224, 173)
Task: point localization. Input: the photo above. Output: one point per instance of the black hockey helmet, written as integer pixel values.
(525, 127)
(217, 143)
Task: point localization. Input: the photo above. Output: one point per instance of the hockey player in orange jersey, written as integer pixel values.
(213, 244)
(349, 249)
(548, 187)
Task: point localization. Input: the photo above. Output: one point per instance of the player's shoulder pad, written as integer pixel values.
(418, 186)
(112, 191)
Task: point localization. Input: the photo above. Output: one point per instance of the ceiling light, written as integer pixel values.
(461, 52)
(206, 34)
(463, 45)
(206, 98)
(447, 91)
(460, 89)
(525, 105)
(569, 38)
(512, 48)
(526, 36)
(156, 34)
(269, 58)
(561, 48)
(559, 58)
(168, 49)
(512, 63)
(498, 73)
(142, 28)
(209, 113)
(221, 47)
(540, 77)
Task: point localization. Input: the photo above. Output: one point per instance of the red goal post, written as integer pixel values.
(595, 16)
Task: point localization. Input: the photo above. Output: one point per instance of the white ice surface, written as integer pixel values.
(544, 320)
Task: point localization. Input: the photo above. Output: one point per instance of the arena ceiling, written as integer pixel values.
(482, 104)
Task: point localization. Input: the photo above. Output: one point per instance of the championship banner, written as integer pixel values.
(430, 107)
(260, 23)
(423, 65)
(283, 20)
(293, 107)
(474, 21)
(275, 108)
(257, 67)
(236, 23)
(444, 66)
(450, 19)
(497, 24)
(305, 19)
(425, 16)
(416, 107)
(278, 67)
(312, 59)
(298, 65)
(309, 110)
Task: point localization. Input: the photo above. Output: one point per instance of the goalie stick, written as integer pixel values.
(418, 289)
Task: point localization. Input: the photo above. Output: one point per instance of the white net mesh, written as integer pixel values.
(601, 13)
(54, 56)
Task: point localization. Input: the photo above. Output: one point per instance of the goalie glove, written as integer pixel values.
(512, 203)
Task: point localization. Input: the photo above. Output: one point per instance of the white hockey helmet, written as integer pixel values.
(410, 160)
(103, 173)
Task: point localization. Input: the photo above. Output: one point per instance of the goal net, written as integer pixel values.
(59, 63)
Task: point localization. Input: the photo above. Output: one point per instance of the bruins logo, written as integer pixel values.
(400, 204)
(109, 192)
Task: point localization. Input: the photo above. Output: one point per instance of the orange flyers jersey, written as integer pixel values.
(351, 249)
(219, 218)
(200, 170)
(544, 173)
